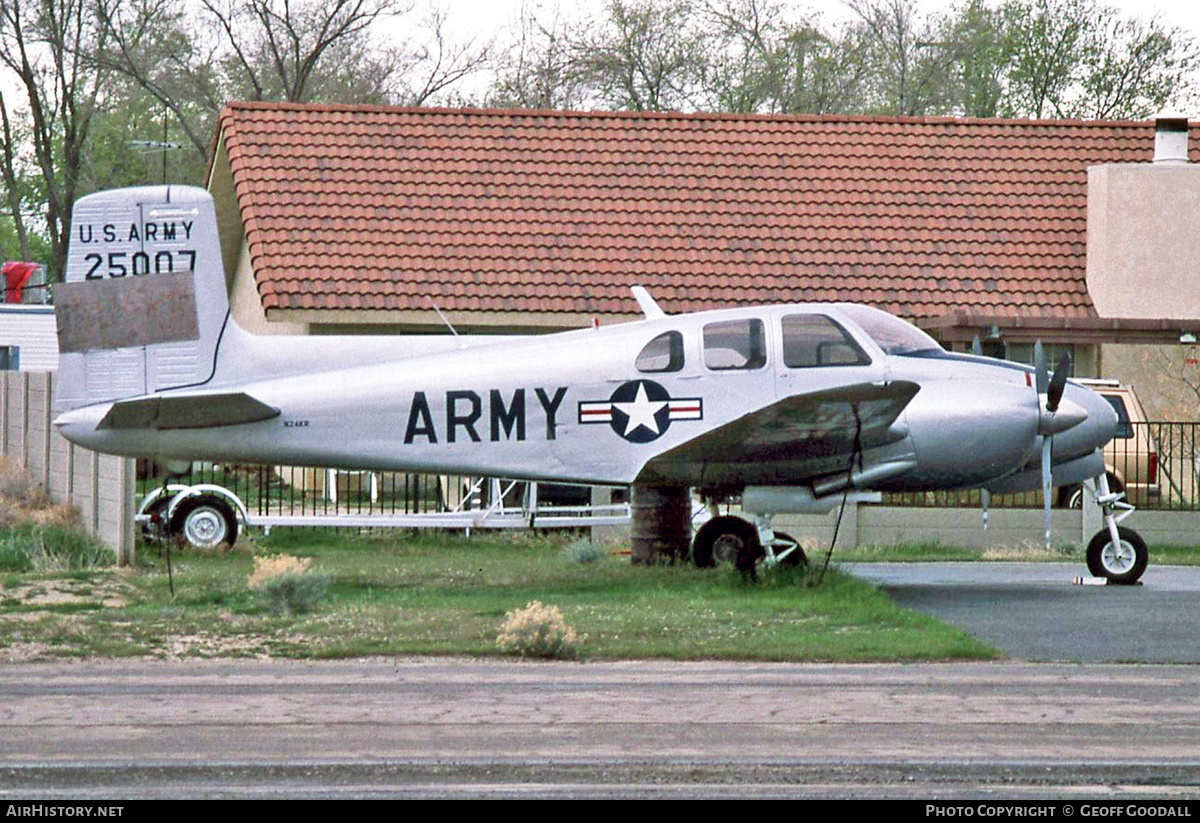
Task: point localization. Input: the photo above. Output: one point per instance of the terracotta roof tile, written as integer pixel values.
(375, 208)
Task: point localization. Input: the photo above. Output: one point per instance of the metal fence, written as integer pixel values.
(293, 491)
(1156, 464)
(297, 491)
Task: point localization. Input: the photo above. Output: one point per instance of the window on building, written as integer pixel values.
(1023, 353)
(735, 344)
(662, 354)
(813, 340)
(10, 358)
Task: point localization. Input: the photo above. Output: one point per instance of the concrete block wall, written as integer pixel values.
(101, 487)
(871, 525)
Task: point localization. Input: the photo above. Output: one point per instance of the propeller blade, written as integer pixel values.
(1039, 368)
(1046, 486)
(1058, 383)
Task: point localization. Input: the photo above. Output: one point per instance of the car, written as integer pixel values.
(1131, 457)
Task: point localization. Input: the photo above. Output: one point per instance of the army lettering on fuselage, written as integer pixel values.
(470, 416)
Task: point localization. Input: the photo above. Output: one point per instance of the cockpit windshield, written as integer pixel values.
(891, 333)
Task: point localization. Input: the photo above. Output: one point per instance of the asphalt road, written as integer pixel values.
(458, 728)
(1032, 611)
(448, 728)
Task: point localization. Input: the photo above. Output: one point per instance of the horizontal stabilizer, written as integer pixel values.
(196, 411)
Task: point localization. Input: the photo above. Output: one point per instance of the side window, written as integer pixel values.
(662, 354)
(1124, 427)
(10, 358)
(813, 340)
(735, 344)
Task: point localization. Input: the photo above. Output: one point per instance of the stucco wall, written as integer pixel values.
(1165, 378)
(1142, 248)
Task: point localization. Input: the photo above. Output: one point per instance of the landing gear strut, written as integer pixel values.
(1115, 552)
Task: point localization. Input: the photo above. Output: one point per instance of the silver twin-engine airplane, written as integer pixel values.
(786, 407)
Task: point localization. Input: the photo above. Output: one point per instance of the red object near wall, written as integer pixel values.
(16, 275)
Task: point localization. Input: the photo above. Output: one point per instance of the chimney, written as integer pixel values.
(1170, 139)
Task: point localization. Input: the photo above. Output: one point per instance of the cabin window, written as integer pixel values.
(735, 344)
(813, 340)
(662, 354)
(10, 358)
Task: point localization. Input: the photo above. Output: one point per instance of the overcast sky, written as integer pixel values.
(489, 18)
(489, 15)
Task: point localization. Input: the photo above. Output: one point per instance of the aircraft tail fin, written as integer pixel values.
(144, 301)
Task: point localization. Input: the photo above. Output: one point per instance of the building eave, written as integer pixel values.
(962, 327)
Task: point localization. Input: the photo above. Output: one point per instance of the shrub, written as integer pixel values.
(285, 584)
(582, 551)
(538, 631)
(22, 501)
(273, 565)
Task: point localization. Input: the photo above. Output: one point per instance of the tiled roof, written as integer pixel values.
(381, 208)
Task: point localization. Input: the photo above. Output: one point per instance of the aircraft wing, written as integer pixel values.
(801, 435)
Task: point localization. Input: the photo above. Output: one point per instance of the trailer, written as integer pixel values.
(28, 338)
(207, 515)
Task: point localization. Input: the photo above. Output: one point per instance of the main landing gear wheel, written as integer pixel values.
(1122, 564)
(725, 540)
(205, 522)
(793, 559)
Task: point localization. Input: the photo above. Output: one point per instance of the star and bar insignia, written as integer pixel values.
(640, 410)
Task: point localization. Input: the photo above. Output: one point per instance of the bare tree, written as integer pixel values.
(538, 70)
(433, 61)
(155, 46)
(643, 55)
(49, 46)
(1047, 40)
(760, 61)
(979, 59)
(909, 59)
(1136, 68)
(279, 48)
(291, 50)
(13, 179)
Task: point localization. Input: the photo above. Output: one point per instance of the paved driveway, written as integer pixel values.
(1031, 611)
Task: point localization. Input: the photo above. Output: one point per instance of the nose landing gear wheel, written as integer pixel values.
(1121, 564)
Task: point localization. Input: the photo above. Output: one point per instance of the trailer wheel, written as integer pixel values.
(205, 522)
(156, 528)
(724, 540)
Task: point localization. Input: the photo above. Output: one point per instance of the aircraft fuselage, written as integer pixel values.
(591, 406)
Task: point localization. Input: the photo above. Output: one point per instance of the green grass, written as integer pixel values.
(907, 552)
(439, 594)
(1175, 555)
(28, 547)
